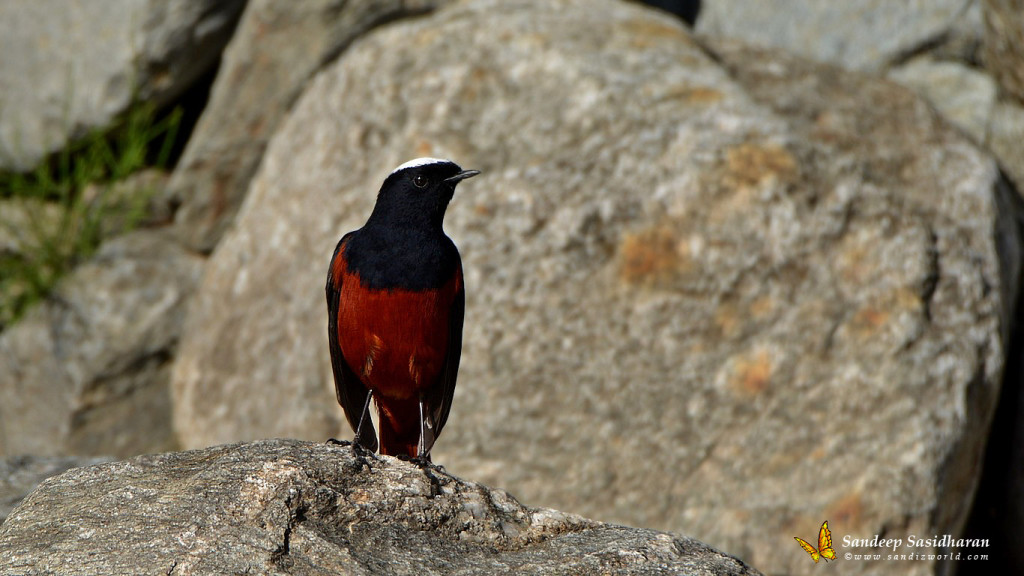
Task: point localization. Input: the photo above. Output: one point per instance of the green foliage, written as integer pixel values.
(58, 213)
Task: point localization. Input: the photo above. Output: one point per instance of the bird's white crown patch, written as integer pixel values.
(420, 162)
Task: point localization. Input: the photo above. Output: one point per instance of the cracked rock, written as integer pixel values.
(291, 507)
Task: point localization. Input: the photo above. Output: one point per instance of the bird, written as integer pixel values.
(396, 302)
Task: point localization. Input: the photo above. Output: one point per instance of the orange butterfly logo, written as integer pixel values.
(824, 549)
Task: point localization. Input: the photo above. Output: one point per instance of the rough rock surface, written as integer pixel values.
(19, 219)
(19, 475)
(276, 49)
(70, 66)
(1006, 133)
(769, 291)
(289, 507)
(964, 96)
(1004, 44)
(87, 372)
(860, 34)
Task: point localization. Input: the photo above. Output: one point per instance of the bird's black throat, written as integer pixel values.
(414, 259)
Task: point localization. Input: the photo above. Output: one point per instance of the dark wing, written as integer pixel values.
(350, 391)
(440, 398)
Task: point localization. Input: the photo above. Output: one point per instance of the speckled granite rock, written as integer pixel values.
(287, 507)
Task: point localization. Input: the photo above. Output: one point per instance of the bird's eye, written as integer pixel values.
(419, 180)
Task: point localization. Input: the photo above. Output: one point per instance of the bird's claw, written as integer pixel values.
(357, 450)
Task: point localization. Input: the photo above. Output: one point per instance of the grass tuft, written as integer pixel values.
(56, 215)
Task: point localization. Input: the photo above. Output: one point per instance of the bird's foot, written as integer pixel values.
(357, 450)
(428, 469)
(360, 454)
(422, 461)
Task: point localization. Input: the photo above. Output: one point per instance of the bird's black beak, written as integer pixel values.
(461, 176)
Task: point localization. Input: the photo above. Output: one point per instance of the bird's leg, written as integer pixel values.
(426, 439)
(357, 440)
(357, 446)
(422, 448)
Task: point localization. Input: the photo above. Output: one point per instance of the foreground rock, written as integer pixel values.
(772, 292)
(19, 475)
(289, 507)
(87, 371)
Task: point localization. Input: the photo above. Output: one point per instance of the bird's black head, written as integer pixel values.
(417, 193)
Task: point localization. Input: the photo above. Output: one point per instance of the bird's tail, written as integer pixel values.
(396, 441)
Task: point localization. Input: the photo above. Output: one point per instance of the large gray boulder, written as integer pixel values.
(710, 289)
(71, 67)
(287, 507)
(860, 34)
(278, 46)
(87, 371)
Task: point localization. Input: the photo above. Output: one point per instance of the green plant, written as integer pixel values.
(58, 214)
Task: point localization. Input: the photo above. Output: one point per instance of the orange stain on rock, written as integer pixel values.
(651, 256)
(762, 306)
(750, 163)
(846, 512)
(753, 374)
(870, 318)
(701, 95)
(879, 312)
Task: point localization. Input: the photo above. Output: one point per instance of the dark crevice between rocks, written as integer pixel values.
(925, 47)
(998, 507)
(685, 10)
(934, 272)
(958, 473)
(104, 383)
(375, 21)
(933, 46)
(192, 102)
